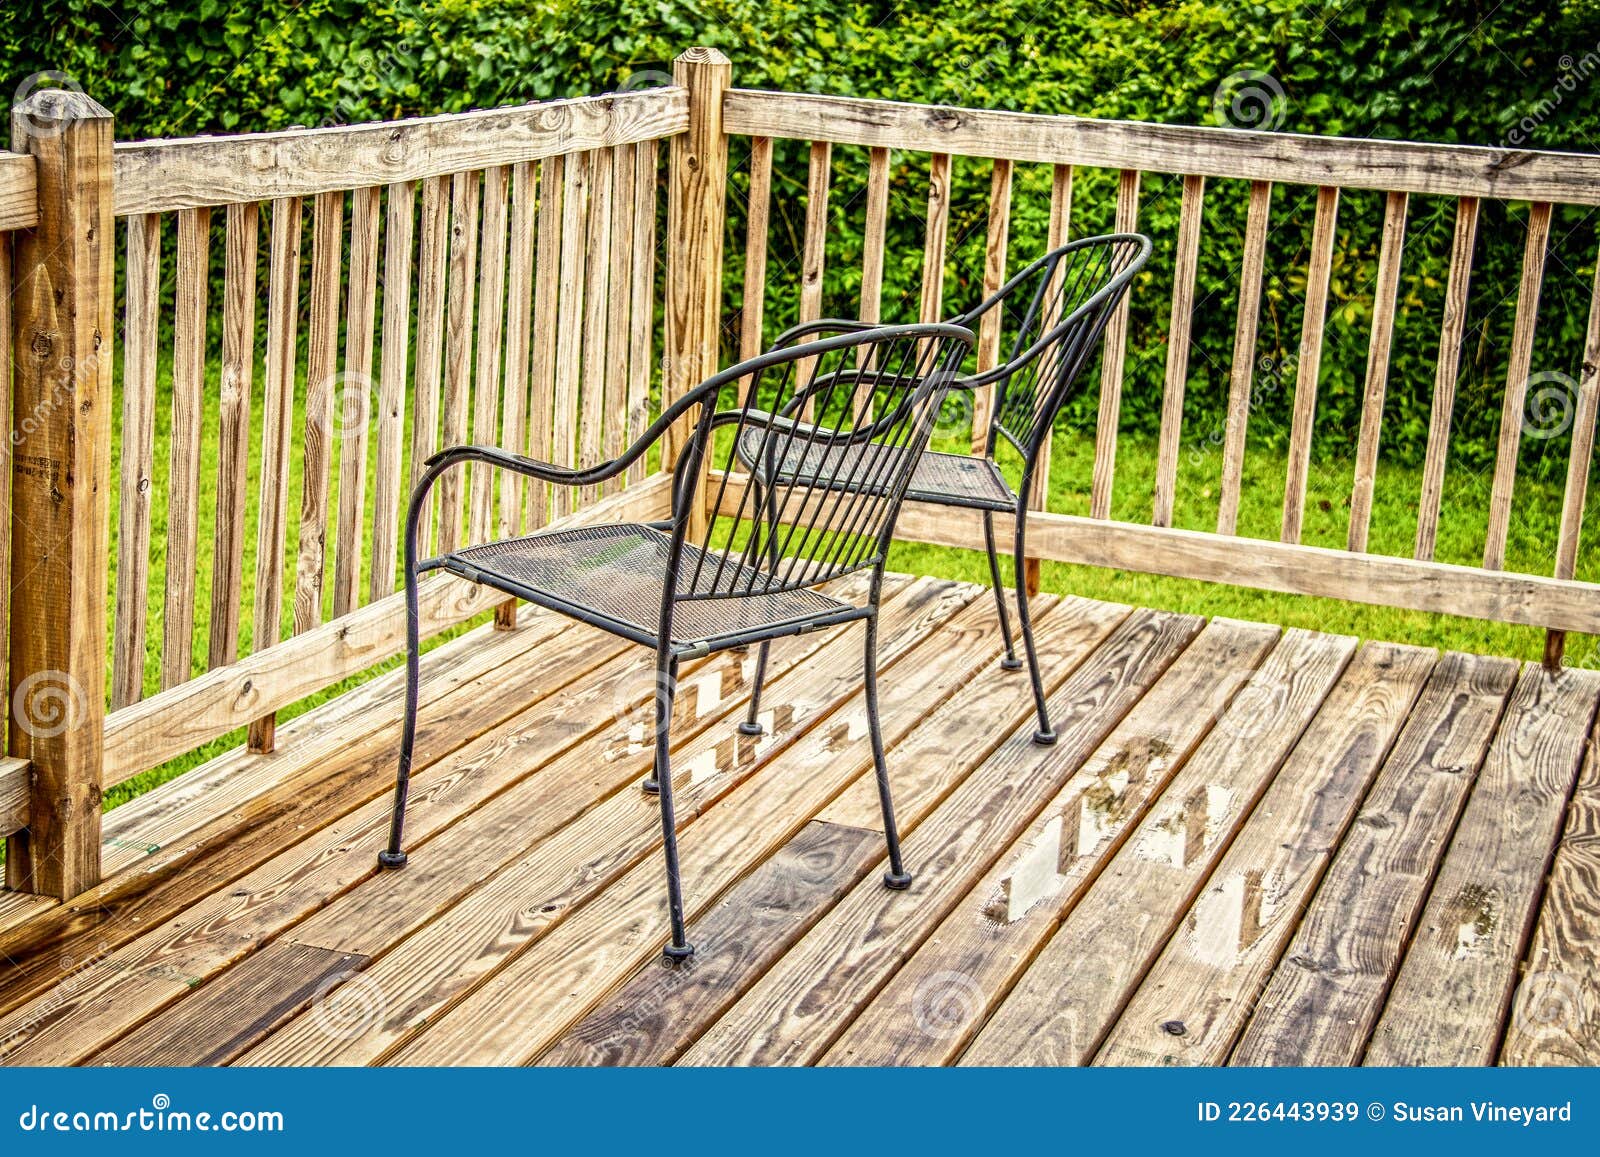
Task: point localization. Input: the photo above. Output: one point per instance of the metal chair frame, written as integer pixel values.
(847, 528)
(1079, 285)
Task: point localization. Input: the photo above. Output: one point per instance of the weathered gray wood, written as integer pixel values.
(160, 175)
(60, 486)
(1327, 991)
(1287, 158)
(1450, 1002)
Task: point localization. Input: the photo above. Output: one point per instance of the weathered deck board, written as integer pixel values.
(1454, 990)
(537, 901)
(1555, 1016)
(802, 1004)
(942, 750)
(1197, 996)
(933, 1005)
(1067, 1001)
(1307, 926)
(1327, 992)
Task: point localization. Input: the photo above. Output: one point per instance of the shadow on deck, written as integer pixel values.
(1248, 846)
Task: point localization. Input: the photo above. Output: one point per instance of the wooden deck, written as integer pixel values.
(1248, 846)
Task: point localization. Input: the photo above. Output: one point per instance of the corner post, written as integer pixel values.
(697, 190)
(61, 442)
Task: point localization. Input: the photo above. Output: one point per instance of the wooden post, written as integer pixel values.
(62, 302)
(696, 208)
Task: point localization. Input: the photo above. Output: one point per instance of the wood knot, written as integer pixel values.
(1174, 1027)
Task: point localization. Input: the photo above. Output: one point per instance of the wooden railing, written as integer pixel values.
(1002, 141)
(349, 299)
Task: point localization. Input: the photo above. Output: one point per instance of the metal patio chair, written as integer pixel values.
(844, 459)
(1053, 314)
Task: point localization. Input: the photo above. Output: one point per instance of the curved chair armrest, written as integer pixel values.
(827, 325)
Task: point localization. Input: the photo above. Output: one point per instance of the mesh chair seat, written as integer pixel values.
(947, 479)
(618, 572)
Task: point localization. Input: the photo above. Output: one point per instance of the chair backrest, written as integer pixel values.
(815, 454)
(1051, 317)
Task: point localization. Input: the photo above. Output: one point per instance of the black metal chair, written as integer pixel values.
(829, 484)
(1052, 316)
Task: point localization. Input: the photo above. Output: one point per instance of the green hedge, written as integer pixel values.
(1521, 72)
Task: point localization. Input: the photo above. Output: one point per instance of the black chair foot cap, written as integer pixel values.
(388, 859)
(898, 881)
(1011, 663)
(650, 786)
(1045, 738)
(752, 729)
(677, 953)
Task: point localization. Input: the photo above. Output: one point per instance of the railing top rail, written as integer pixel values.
(1347, 162)
(19, 196)
(158, 176)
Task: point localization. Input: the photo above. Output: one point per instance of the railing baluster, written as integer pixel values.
(233, 463)
(352, 405)
(994, 276)
(1056, 234)
(1451, 331)
(183, 479)
(597, 271)
(519, 316)
(569, 324)
(814, 250)
(542, 354)
(1242, 372)
(327, 267)
(752, 311)
(458, 345)
(933, 252)
(1579, 462)
(1309, 366)
(433, 255)
(1505, 461)
(491, 327)
(1115, 353)
(641, 334)
(617, 303)
(872, 250)
(1186, 261)
(142, 314)
(393, 371)
(1384, 291)
(272, 524)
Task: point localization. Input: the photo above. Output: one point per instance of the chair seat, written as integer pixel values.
(946, 479)
(614, 575)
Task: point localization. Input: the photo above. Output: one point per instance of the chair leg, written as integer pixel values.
(1009, 661)
(394, 855)
(652, 782)
(666, 683)
(751, 724)
(896, 877)
(1045, 736)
